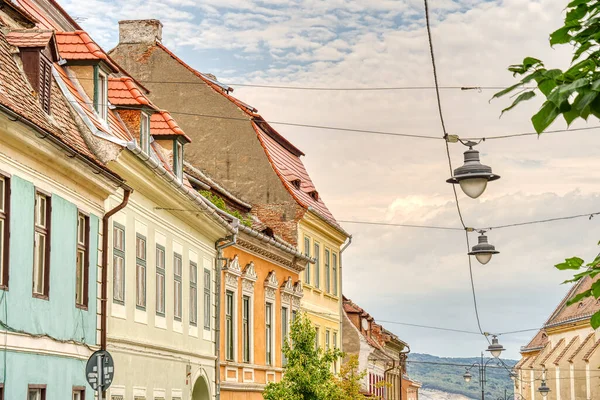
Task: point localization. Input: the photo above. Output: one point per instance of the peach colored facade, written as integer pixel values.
(257, 279)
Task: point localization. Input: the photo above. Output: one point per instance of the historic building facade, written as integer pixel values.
(563, 353)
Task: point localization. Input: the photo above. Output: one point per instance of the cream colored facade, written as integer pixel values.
(322, 295)
(166, 355)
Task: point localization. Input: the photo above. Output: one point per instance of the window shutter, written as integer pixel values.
(45, 84)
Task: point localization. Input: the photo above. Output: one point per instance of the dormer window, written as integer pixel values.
(314, 194)
(178, 160)
(296, 183)
(145, 133)
(101, 92)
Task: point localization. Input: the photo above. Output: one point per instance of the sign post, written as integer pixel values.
(99, 371)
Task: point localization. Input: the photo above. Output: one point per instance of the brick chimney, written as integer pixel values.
(140, 31)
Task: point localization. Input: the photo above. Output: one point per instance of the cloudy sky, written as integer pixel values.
(398, 274)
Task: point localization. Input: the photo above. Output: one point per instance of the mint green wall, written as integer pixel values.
(59, 374)
(58, 316)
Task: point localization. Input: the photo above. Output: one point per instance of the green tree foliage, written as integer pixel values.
(308, 373)
(350, 378)
(590, 269)
(220, 204)
(575, 92)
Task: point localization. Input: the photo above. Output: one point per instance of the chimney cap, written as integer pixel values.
(140, 31)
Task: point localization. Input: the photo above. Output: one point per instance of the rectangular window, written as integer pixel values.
(160, 280)
(140, 272)
(118, 263)
(294, 315)
(327, 272)
(317, 256)
(207, 304)
(327, 339)
(317, 337)
(41, 258)
(145, 133)
(36, 392)
(79, 393)
(284, 332)
(193, 294)
(269, 333)
(4, 229)
(246, 328)
(335, 346)
(307, 254)
(334, 273)
(82, 261)
(229, 325)
(178, 160)
(101, 93)
(177, 268)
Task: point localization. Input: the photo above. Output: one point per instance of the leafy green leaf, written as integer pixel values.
(596, 289)
(575, 3)
(577, 13)
(570, 116)
(580, 69)
(505, 91)
(560, 36)
(522, 97)
(580, 50)
(545, 116)
(529, 62)
(579, 297)
(595, 320)
(570, 263)
(584, 99)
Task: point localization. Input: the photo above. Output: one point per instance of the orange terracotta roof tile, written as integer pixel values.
(163, 124)
(581, 346)
(79, 45)
(589, 353)
(289, 167)
(565, 350)
(565, 314)
(29, 37)
(535, 358)
(43, 21)
(124, 91)
(538, 341)
(552, 351)
(521, 362)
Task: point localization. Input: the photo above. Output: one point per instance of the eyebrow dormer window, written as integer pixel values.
(296, 183)
(178, 160)
(315, 195)
(101, 92)
(145, 133)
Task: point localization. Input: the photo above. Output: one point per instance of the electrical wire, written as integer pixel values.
(447, 228)
(543, 221)
(429, 327)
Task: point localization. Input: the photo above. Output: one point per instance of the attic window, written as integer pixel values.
(145, 133)
(314, 194)
(38, 69)
(296, 183)
(178, 160)
(101, 92)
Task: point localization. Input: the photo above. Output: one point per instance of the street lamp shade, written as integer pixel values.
(544, 389)
(495, 348)
(473, 176)
(467, 376)
(483, 251)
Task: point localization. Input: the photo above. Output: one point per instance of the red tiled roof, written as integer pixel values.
(583, 309)
(29, 37)
(163, 124)
(538, 355)
(581, 346)
(15, 94)
(565, 350)
(522, 362)
(123, 91)
(42, 19)
(539, 340)
(289, 167)
(79, 45)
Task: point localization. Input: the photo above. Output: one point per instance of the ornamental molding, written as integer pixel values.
(247, 286)
(250, 272)
(271, 285)
(233, 266)
(288, 286)
(231, 281)
(270, 255)
(298, 290)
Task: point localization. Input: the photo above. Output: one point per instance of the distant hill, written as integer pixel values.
(449, 378)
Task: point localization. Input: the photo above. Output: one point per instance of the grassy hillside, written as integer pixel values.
(449, 378)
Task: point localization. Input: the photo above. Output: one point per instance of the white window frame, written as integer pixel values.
(4, 230)
(247, 326)
(178, 160)
(230, 348)
(145, 132)
(119, 266)
(269, 333)
(161, 298)
(207, 298)
(82, 260)
(317, 256)
(193, 294)
(141, 256)
(177, 294)
(307, 251)
(102, 93)
(285, 329)
(335, 272)
(41, 268)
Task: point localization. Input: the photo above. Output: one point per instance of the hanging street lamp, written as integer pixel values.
(483, 251)
(473, 176)
(495, 348)
(544, 389)
(467, 376)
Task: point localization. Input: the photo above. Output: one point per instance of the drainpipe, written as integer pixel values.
(228, 241)
(403, 354)
(104, 279)
(341, 294)
(385, 373)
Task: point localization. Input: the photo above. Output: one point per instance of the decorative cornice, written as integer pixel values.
(271, 281)
(270, 255)
(298, 290)
(249, 272)
(288, 286)
(233, 266)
